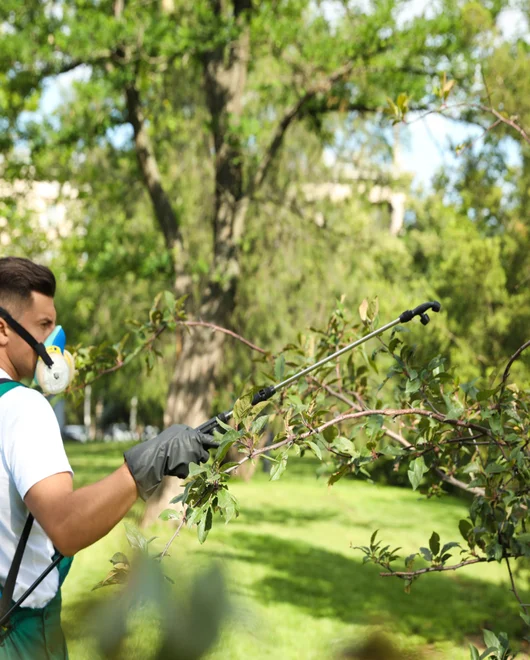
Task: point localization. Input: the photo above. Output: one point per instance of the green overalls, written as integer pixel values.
(35, 634)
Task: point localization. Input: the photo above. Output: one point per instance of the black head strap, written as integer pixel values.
(39, 348)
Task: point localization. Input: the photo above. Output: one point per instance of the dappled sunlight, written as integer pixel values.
(300, 590)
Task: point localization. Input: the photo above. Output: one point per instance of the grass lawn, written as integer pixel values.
(300, 591)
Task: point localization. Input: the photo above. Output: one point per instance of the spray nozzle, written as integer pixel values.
(420, 311)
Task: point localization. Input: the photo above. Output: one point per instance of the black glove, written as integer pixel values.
(170, 453)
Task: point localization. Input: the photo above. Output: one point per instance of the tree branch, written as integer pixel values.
(218, 328)
(392, 412)
(177, 532)
(148, 164)
(509, 365)
(122, 363)
(289, 116)
(514, 589)
(404, 575)
(509, 121)
(358, 415)
(405, 443)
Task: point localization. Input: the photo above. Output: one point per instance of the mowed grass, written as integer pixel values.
(299, 589)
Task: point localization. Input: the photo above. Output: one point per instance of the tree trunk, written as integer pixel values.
(193, 382)
(225, 72)
(192, 385)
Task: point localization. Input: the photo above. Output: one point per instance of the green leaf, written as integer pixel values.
(434, 543)
(465, 528)
(474, 652)
(227, 442)
(495, 468)
(259, 407)
(393, 452)
(412, 386)
(242, 407)
(342, 444)
(296, 451)
(224, 425)
(490, 652)
(523, 538)
(315, 448)
(205, 525)
(448, 547)
(197, 469)
(403, 101)
(330, 433)
(169, 300)
(227, 503)
(426, 554)
(135, 538)
(482, 395)
(119, 558)
(417, 469)
(491, 640)
(336, 476)
(259, 424)
(373, 425)
(454, 409)
(183, 496)
(278, 469)
(279, 368)
(169, 514)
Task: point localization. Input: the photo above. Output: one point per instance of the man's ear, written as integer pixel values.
(4, 332)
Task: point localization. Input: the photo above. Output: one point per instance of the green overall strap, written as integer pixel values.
(7, 385)
(9, 586)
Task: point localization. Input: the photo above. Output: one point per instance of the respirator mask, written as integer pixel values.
(55, 365)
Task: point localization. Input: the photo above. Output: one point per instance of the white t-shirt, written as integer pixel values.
(31, 449)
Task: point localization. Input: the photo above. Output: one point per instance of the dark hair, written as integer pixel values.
(19, 277)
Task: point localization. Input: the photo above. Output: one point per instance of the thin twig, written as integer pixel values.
(393, 412)
(122, 363)
(509, 365)
(177, 532)
(432, 569)
(405, 443)
(218, 328)
(514, 589)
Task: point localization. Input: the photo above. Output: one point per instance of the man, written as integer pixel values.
(36, 477)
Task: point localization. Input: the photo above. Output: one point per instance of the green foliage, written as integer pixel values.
(288, 565)
(497, 647)
(455, 418)
(189, 625)
(460, 433)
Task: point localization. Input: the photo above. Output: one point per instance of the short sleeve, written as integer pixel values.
(33, 446)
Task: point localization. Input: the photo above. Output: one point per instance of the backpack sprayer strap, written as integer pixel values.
(9, 587)
(7, 607)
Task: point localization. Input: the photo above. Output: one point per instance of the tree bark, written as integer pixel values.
(224, 75)
(193, 381)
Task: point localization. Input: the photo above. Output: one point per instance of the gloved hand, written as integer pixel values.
(170, 453)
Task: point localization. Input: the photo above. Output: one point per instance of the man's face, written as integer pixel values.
(38, 318)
